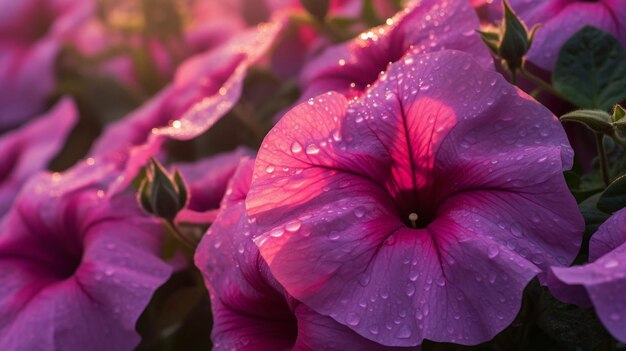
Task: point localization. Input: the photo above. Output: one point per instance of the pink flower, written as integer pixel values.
(31, 34)
(425, 26)
(76, 268)
(602, 282)
(422, 209)
(28, 150)
(205, 88)
(250, 309)
(560, 20)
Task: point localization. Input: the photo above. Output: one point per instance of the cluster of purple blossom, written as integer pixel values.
(408, 193)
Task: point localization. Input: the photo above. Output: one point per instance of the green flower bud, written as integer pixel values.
(160, 194)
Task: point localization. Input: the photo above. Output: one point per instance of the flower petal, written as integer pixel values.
(349, 175)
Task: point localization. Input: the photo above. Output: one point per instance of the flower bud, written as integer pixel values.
(511, 41)
(161, 194)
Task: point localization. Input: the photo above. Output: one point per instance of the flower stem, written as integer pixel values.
(602, 154)
(179, 235)
(540, 82)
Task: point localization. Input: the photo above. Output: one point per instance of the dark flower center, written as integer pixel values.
(414, 213)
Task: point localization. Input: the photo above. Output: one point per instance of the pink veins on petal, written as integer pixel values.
(424, 207)
(252, 312)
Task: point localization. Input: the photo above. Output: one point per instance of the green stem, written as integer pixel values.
(540, 82)
(180, 236)
(602, 154)
(513, 77)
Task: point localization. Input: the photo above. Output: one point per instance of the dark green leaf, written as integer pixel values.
(593, 216)
(571, 326)
(596, 120)
(591, 70)
(491, 39)
(614, 197)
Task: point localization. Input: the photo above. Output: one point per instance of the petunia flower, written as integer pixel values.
(76, 268)
(205, 88)
(29, 149)
(31, 34)
(560, 20)
(602, 282)
(251, 311)
(425, 26)
(422, 209)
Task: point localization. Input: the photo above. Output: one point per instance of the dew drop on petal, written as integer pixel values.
(404, 332)
(312, 149)
(293, 226)
(296, 147)
(493, 251)
(277, 232)
(353, 319)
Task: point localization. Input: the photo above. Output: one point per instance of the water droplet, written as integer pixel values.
(296, 147)
(404, 332)
(611, 263)
(364, 279)
(374, 330)
(293, 226)
(410, 289)
(277, 232)
(615, 317)
(353, 319)
(493, 251)
(269, 169)
(312, 149)
(359, 212)
(516, 230)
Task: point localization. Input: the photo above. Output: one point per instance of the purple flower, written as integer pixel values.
(28, 150)
(602, 282)
(31, 34)
(423, 26)
(560, 20)
(76, 268)
(422, 209)
(251, 311)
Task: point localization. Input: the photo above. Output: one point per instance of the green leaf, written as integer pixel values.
(590, 70)
(573, 327)
(613, 198)
(593, 216)
(491, 40)
(597, 121)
